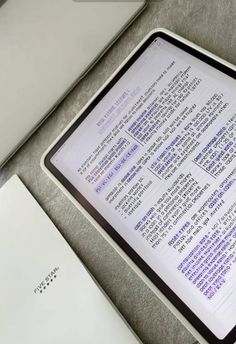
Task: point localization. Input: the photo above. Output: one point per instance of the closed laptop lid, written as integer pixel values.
(46, 46)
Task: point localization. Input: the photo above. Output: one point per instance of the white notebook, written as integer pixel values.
(46, 294)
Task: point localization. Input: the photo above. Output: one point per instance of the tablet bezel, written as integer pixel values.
(156, 280)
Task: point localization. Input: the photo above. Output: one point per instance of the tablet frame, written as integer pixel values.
(172, 301)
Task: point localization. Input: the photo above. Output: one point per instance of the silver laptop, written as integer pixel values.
(46, 46)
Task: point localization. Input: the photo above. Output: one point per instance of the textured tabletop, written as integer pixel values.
(212, 25)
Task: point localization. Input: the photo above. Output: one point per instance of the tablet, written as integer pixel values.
(152, 159)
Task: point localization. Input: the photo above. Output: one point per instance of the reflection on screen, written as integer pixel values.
(157, 158)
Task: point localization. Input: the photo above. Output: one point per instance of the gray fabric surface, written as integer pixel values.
(212, 25)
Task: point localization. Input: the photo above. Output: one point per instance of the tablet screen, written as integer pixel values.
(155, 159)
